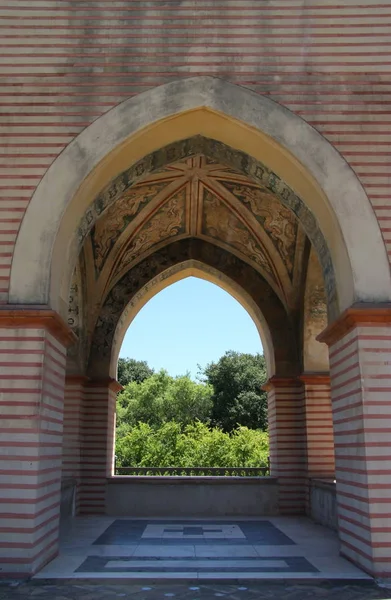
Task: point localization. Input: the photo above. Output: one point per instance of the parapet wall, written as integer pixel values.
(192, 496)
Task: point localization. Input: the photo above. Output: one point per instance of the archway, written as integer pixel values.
(175, 335)
(178, 272)
(202, 172)
(293, 151)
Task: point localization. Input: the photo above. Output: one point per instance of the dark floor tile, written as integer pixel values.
(126, 532)
(134, 564)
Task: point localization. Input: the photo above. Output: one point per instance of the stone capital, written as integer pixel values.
(37, 317)
(109, 383)
(76, 379)
(281, 382)
(359, 314)
(315, 378)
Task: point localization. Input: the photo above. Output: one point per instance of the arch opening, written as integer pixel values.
(179, 272)
(171, 263)
(295, 155)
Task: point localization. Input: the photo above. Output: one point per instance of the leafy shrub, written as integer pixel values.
(161, 398)
(197, 445)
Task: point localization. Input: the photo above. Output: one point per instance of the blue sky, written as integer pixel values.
(190, 322)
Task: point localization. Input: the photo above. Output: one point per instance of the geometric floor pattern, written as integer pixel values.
(200, 532)
(245, 590)
(198, 550)
(225, 565)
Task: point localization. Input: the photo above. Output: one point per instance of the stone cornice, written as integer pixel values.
(109, 383)
(281, 382)
(315, 378)
(358, 314)
(306, 378)
(76, 379)
(29, 317)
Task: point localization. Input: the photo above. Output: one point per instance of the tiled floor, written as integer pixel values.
(79, 589)
(280, 547)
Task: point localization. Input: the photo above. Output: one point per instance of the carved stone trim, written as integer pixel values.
(239, 272)
(41, 318)
(239, 161)
(359, 314)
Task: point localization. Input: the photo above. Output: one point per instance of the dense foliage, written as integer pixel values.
(162, 398)
(238, 399)
(130, 370)
(194, 446)
(219, 421)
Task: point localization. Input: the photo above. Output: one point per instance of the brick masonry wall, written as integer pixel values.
(288, 444)
(63, 64)
(361, 387)
(97, 446)
(73, 432)
(32, 367)
(319, 431)
(319, 428)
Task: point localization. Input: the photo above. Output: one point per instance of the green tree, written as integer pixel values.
(146, 446)
(238, 399)
(161, 398)
(130, 370)
(197, 445)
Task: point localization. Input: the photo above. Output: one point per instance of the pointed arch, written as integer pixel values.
(192, 268)
(239, 279)
(45, 250)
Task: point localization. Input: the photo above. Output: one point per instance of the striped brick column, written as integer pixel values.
(98, 444)
(318, 429)
(319, 426)
(73, 431)
(360, 358)
(32, 368)
(287, 442)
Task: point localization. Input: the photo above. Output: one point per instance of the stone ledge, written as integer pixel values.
(196, 479)
(326, 484)
(361, 313)
(37, 317)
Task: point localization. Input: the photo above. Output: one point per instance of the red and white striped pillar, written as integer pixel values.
(319, 425)
(360, 359)
(286, 413)
(319, 429)
(97, 453)
(32, 371)
(73, 431)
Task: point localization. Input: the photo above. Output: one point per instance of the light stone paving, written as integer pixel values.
(272, 548)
